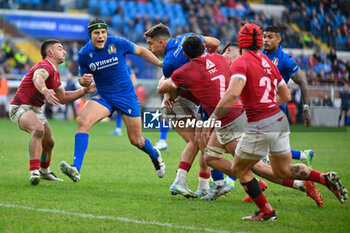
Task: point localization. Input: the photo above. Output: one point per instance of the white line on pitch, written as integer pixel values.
(165, 224)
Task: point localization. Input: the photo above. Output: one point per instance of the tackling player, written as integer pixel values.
(267, 132)
(183, 107)
(103, 59)
(207, 77)
(42, 83)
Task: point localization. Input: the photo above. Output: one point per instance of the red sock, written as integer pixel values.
(288, 183)
(184, 165)
(263, 204)
(204, 175)
(34, 164)
(317, 177)
(45, 164)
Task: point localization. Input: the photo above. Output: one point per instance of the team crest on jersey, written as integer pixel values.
(275, 61)
(112, 49)
(90, 55)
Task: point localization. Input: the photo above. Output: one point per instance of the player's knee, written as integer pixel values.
(136, 142)
(83, 124)
(38, 133)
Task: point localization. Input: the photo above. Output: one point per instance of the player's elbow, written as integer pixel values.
(161, 90)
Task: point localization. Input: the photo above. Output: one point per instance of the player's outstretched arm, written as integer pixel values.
(147, 55)
(211, 44)
(300, 79)
(39, 83)
(69, 96)
(283, 94)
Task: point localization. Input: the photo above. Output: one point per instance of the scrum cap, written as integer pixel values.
(250, 37)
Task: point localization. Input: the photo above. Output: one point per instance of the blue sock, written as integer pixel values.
(81, 144)
(43, 157)
(164, 131)
(217, 175)
(296, 154)
(233, 178)
(118, 120)
(148, 148)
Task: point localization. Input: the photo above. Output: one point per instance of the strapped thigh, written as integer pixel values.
(214, 151)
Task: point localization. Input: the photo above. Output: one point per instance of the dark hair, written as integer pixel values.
(46, 44)
(274, 29)
(95, 24)
(230, 44)
(158, 30)
(193, 46)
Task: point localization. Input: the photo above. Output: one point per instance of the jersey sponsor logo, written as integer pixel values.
(210, 64)
(98, 65)
(112, 49)
(92, 67)
(266, 66)
(275, 61)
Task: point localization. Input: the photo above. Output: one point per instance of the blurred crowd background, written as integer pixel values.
(315, 32)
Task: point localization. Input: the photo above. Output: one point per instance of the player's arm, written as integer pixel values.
(69, 96)
(39, 77)
(211, 44)
(283, 93)
(166, 86)
(85, 80)
(230, 97)
(147, 55)
(300, 79)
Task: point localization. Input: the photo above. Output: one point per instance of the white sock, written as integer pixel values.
(299, 184)
(203, 183)
(302, 155)
(219, 182)
(34, 171)
(180, 176)
(45, 170)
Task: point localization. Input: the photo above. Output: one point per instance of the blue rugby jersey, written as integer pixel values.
(108, 66)
(174, 57)
(286, 65)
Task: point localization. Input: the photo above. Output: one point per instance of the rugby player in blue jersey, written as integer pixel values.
(185, 106)
(103, 60)
(289, 69)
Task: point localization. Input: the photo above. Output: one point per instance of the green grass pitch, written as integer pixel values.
(119, 190)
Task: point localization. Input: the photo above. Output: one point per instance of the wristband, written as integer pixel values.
(306, 107)
(42, 90)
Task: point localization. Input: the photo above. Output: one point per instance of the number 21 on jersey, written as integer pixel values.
(266, 82)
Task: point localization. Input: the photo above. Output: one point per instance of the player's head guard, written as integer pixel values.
(250, 37)
(96, 24)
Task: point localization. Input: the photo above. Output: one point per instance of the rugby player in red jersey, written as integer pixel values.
(42, 83)
(262, 89)
(207, 77)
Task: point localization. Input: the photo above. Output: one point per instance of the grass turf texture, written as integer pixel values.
(119, 182)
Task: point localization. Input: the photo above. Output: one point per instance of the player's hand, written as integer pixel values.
(50, 96)
(306, 117)
(168, 102)
(91, 88)
(206, 132)
(85, 80)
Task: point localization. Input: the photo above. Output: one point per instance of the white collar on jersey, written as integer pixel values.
(51, 64)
